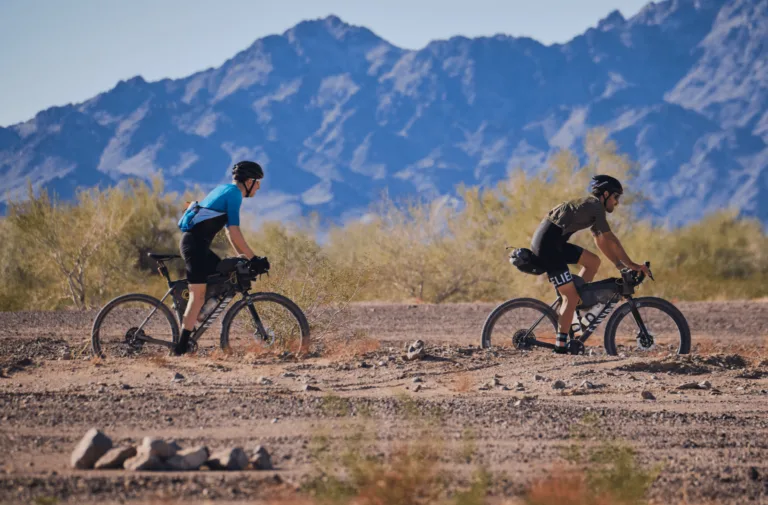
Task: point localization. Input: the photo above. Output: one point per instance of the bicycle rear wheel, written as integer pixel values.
(509, 323)
(119, 326)
(662, 329)
(265, 321)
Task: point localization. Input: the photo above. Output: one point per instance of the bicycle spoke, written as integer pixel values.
(121, 329)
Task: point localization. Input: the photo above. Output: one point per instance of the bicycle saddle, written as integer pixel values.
(163, 257)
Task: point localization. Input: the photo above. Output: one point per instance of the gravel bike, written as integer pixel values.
(140, 324)
(639, 325)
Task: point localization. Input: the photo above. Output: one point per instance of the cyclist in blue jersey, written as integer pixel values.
(200, 224)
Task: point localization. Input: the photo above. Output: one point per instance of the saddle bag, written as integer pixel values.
(525, 261)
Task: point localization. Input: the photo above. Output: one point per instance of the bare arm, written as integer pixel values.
(238, 242)
(609, 244)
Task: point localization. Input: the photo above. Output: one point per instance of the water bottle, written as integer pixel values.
(208, 307)
(591, 314)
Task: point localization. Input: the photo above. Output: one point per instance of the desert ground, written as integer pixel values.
(709, 445)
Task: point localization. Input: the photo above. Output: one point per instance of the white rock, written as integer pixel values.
(188, 459)
(233, 459)
(261, 459)
(92, 446)
(115, 458)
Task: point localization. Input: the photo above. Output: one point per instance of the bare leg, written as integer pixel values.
(195, 303)
(570, 300)
(590, 263)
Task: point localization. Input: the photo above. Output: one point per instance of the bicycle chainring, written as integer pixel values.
(520, 341)
(575, 347)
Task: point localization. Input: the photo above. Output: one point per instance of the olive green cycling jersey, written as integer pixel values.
(579, 214)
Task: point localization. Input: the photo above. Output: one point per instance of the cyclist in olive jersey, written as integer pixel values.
(200, 224)
(550, 244)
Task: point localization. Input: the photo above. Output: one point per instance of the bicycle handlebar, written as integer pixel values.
(636, 278)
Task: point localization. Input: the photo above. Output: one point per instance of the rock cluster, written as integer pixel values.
(96, 451)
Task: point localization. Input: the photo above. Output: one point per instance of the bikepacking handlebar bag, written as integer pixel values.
(525, 261)
(187, 219)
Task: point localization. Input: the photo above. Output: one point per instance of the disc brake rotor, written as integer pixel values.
(645, 342)
(267, 339)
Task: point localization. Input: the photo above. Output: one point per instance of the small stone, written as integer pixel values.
(125, 387)
(310, 387)
(558, 384)
(753, 473)
(417, 380)
(494, 382)
(114, 458)
(288, 375)
(177, 377)
(586, 385)
(693, 385)
(539, 378)
(158, 447)
(263, 381)
(705, 385)
(484, 387)
(417, 388)
(144, 461)
(261, 459)
(92, 446)
(647, 395)
(233, 459)
(415, 351)
(363, 364)
(230, 390)
(275, 420)
(188, 459)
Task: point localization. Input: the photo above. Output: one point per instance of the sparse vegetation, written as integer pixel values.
(57, 255)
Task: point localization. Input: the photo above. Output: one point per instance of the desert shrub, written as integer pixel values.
(79, 254)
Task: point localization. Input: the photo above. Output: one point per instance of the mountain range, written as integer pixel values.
(337, 115)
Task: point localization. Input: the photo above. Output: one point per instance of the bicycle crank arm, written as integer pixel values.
(539, 343)
(169, 345)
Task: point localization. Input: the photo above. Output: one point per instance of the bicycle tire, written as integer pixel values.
(651, 302)
(281, 300)
(508, 306)
(96, 344)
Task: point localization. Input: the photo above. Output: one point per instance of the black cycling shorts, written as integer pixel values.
(554, 252)
(200, 260)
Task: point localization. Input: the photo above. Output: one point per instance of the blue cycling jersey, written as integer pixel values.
(220, 208)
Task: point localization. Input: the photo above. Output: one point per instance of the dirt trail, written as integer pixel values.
(712, 443)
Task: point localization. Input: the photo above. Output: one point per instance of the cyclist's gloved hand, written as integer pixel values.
(259, 265)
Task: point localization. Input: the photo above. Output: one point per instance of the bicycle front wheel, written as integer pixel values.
(654, 327)
(265, 320)
(510, 322)
(121, 326)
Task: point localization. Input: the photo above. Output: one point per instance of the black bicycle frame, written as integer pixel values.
(211, 318)
(593, 324)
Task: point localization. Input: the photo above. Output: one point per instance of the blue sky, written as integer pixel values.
(55, 52)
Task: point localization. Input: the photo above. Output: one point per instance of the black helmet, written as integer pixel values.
(607, 183)
(245, 170)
